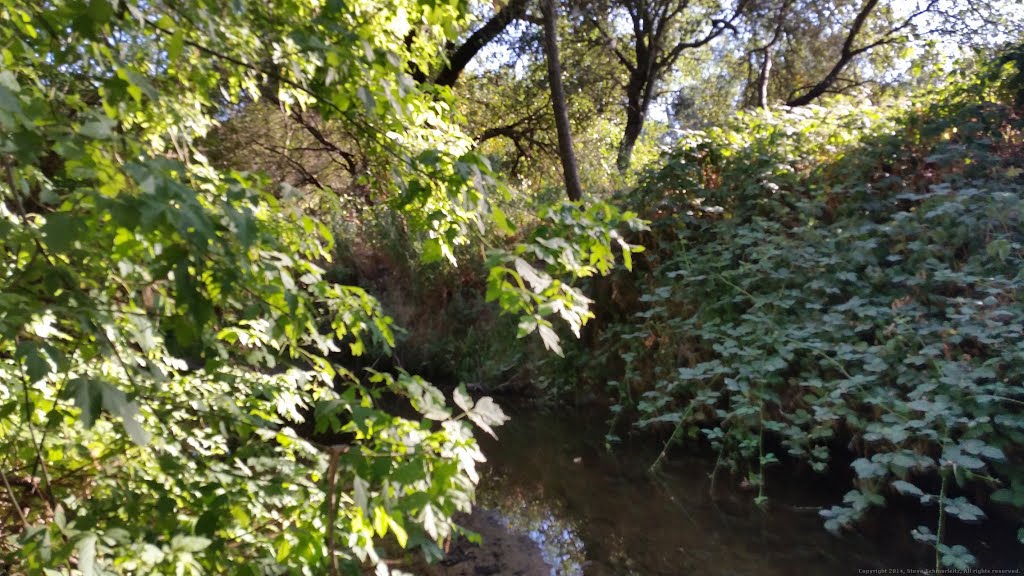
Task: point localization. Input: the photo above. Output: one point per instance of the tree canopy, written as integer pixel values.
(168, 326)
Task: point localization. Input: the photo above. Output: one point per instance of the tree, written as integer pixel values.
(787, 39)
(507, 105)
(662, 30)
(173, 396)
(184, 327)
(854, 46)
(565, 147)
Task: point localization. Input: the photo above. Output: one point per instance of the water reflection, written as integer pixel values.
(551, 529)
(594, 513)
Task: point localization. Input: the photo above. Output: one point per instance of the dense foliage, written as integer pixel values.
(172, 396)
(850, 274)
(210, 213)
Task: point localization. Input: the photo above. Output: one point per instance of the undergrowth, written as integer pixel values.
(849, 274)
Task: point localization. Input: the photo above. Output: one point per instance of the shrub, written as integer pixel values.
(849, 273)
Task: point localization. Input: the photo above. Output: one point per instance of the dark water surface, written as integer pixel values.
(594, 512)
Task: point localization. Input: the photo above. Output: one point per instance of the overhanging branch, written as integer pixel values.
(461, 56)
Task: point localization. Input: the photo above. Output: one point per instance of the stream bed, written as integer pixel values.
(553, 500)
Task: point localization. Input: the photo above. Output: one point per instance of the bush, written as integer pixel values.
(843, 273)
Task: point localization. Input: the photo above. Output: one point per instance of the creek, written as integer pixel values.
(550, 487)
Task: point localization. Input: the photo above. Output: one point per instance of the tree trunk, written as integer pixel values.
(565, 147)
(634, 125)
(636, 110)
(762, 79)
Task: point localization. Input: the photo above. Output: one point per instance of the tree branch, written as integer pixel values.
(848, 52)
(460, 58)
(307, 176)
(610, 42)
(718, 26)
(318, 135)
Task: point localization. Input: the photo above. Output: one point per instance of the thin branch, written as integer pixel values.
(848, 52)
(14, 500)
(318, 135)
(718, 27)
(333, 454)
(307, 176)
(610, 43)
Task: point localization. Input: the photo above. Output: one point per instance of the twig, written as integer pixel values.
(14, 500)
(334, 453)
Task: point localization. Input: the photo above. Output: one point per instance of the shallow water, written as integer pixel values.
(596, 513)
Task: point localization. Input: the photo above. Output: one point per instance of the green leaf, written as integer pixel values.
(9, 80)
(193, 544)
(550, 339)
(142, 84)
(1008, 496)
(93, 396)
(904, 487)
(61, 230)
(923, 534)
(527, 324)
(88, 397)
(501, 220)
(129, 413)
(462, 398)
(400, 534)
(86, 550)
(380, 520)
(209, 520)
(957, 557)
(408, 472)
(9, 101)
(425, 398)
(100, 129)
(867, 469)
(956, 456)
(37, 362)
(539, 281)
(360, 493)
(176, 45)
(487, 414)
(431, 251)
(284, 548)
(8, 408)
(961, 508)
